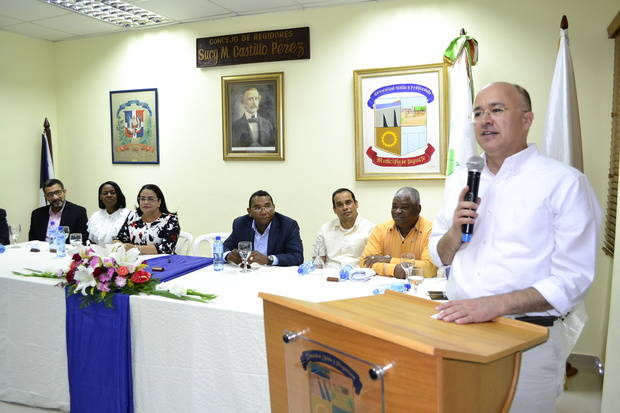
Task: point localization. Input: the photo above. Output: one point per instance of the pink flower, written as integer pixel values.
(108, 262)
(122, 271)
(95, 262)
(120, 281)
(103, 287)
(104, 276)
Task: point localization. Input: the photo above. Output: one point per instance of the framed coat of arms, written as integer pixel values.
(134, 125)
(400, 122)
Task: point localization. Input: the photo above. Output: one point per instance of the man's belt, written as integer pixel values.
(545, 321)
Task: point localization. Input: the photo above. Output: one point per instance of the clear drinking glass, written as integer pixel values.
(415, 278)
(75, 239)
(245, 249)
(406, 262)
(15, 231)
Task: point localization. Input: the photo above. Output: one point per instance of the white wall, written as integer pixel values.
(518, 42)
(27, 97)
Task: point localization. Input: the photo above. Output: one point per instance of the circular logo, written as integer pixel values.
(391, 138)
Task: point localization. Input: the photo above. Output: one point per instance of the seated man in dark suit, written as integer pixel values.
(251, 129)
(4, 228)
(60, 212)
(275, 237)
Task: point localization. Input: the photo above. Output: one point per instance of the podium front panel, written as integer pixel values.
(323, 379)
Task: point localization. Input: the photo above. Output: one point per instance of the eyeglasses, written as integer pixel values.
(147, 199)
(50, 195)
(262, 208)
(495, 112)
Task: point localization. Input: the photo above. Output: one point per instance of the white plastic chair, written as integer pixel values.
(184, 243)
(209, 238)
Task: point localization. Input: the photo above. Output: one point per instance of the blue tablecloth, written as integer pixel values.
(99, 356)
(99, 344)
(176, 265)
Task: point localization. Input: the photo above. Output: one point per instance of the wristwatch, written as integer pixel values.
(271, 259)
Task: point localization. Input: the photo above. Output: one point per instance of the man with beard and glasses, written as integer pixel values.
(60, 212)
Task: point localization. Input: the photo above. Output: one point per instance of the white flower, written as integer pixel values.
(121, 256)
(57, 267)
(84, 279)
(100, 251)
(177, 289)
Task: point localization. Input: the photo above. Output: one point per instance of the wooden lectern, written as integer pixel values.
(431, 365)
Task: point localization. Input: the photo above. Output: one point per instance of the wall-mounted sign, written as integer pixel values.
(267, 46)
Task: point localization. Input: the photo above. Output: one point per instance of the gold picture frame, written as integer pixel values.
(252, 117)
(401, 118)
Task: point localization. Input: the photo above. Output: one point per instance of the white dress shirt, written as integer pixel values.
(103, 227)
(343, 246)
(538, 226)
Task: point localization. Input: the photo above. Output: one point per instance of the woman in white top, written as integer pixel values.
(104, 224)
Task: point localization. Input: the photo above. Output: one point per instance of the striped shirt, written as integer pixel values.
(386, 239)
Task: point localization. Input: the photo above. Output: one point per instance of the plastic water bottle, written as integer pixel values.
(345, 272)
(306, 268)
(52, 234)
(61, 246)
(218, 254)
(400, 287)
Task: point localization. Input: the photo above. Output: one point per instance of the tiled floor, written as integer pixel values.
(583, 392)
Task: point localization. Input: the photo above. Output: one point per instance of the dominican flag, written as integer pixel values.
(461, 54)
(562, 133)
(47, 166)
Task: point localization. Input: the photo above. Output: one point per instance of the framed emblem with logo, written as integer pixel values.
(134, 125)
(401, 122)
(252, 117)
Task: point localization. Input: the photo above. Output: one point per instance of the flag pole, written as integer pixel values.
(48, 134)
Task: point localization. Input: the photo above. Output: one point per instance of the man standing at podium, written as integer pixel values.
(533, 250)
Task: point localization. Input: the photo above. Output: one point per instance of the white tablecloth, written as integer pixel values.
(187, 357)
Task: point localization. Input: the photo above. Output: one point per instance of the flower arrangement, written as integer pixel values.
(97, 273)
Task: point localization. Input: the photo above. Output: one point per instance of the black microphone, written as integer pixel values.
(474, 167)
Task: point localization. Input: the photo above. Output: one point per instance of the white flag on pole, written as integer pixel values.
(462, 144)
(461, 54)
(562, 133)
(562, 141)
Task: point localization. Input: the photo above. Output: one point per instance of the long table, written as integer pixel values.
(187, 356)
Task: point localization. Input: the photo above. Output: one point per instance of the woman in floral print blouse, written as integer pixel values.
(151, 227)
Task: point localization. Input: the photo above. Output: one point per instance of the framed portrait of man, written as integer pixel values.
(252, 117)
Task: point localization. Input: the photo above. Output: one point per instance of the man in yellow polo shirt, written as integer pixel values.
(406, 232)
